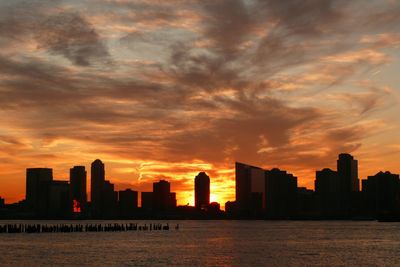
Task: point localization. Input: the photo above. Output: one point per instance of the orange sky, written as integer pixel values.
(166, 89)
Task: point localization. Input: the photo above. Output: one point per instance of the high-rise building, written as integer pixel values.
(250, 188)
(329, 193)
(59, 201)
(305, 202)
(147, 200)
(109, 200)
(77, 182)
(280, 194)
(128, 202)
(163, 199)
(202, 190)
(347, 168)
(382, 192)
(37, 181)
(97, 184)
(172, 200)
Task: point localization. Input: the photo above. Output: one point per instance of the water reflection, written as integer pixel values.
(213, 243)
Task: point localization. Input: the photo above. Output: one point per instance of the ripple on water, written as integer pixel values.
(213, 243)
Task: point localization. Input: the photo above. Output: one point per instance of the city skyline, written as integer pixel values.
(259, 194)
(261, 132)
(347, 168)
(187, 197)
(163, 89)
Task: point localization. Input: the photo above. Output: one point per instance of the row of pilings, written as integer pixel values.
(89, 227)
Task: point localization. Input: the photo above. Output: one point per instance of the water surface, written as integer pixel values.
(213, 243)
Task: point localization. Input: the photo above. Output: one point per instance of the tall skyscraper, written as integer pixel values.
(201, 190)
(127, 202)
(37, 182)
(59, 201)
(280, 193)
(109, 200)
(163, 199)
(250, 188)
(146, 200)
(382, 192)
(77, 183)
(161, 195)
(97, 184)
(347, 168)
(329, 194)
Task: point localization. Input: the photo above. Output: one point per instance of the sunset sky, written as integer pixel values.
(165, 89)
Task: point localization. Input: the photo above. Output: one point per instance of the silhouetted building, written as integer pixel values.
(213, 208)
(163, 199)
(37, 180)
(172, 200)
(329, 194)
(109, 200)
(347, 168)
(147, 200)
(59, 201)
(250, 189)
(77, 181)
(305, 203)
(230, 208)
(2, 202)
(382, 193)
(280, 194)
(201, 190)
(128, 202)
(97, 184)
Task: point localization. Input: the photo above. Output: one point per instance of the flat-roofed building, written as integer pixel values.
(37, 180)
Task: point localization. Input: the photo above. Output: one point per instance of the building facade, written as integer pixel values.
(77, 182)
(382, 194)
(202, 190)
(280, 194)
(97, 180)
(250, 189)
(163, 199)
(37, 186)
(127, 202)
(347, 168)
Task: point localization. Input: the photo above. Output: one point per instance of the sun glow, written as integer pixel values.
(214, 198)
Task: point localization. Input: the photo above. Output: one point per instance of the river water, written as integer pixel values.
(212, 243)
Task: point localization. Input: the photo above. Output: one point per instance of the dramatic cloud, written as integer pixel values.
(166, 89)
(71, 36)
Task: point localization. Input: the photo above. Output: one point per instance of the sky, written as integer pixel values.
(165, 89)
